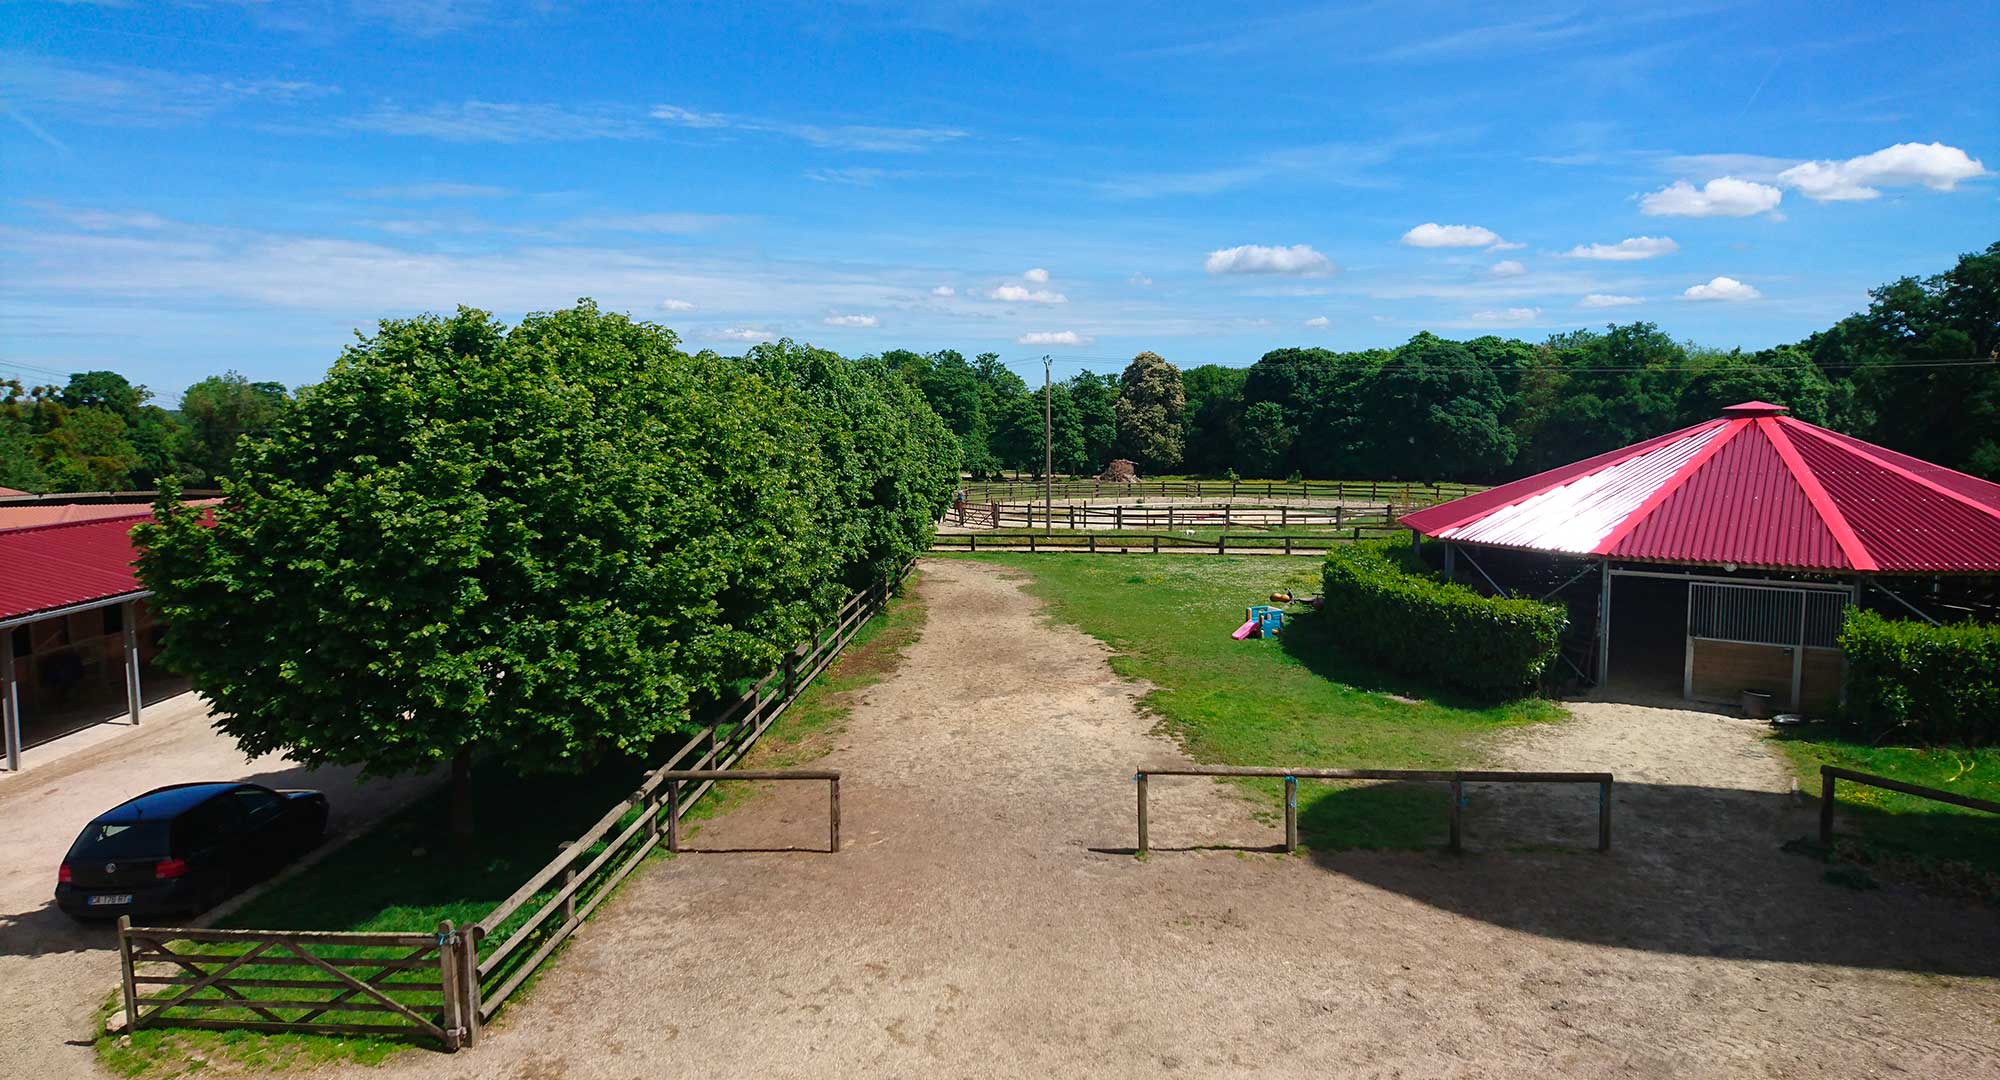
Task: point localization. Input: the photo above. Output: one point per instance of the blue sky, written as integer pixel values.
(200, 186)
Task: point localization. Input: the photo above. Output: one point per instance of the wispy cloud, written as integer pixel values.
(866, 137)
(116, 94)
(1329, 164)
(852, 320)
(857, 176)
(1433, 235)
(1725, 196)
(499, 122)
(1630, 249)
(1606, 300)
(1021, 294)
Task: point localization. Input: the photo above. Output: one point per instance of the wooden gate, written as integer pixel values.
(295, 980)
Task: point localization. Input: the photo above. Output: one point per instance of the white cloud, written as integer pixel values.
(1724, 196)
(838, 136)
(944, 290)
(1721, 288)
(1433, 235)
(1021, 294)
(1508, 315)
(737, 333)
(1140, 280)
(99, 220)
(1627, 250)
(498, 122)
(1507, 245)
(855, 176)
(1038, 276)
(851, 320)
(1319, 322)
(648, 223)
(1604, 300)
(676, 305)
(1257, 259)
(1053, 337)
(1933, 165)
(1508, 268)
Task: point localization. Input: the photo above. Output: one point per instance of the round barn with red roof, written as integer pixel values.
(1727, 552)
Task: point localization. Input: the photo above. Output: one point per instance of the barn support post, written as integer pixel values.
(131, 620)
(1416, 538)
(1603, 622)
(1450, 561)
(10, 702)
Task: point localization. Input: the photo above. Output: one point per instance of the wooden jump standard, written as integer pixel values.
(1456, 778)
(1830, 773)
(674, 779)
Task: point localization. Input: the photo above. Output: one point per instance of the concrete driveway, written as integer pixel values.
(54, 972)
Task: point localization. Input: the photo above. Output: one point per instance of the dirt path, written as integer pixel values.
(53, 971)
(970, 930)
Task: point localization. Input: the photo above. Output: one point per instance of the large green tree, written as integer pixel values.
(554, 539)
(221, 409)
(1149, 411)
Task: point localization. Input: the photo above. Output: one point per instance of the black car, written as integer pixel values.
(182, 849)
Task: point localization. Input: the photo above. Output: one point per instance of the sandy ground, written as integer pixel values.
(980, 924)
(54, 972)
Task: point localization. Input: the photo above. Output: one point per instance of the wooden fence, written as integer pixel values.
(446, 984)
(523, 930)
(1118, 518)
(1374, 491)
(292, 980)
(1830, 774)
(1150, 543)
(1456, 778)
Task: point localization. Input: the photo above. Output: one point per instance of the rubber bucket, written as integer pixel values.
(1757, 704)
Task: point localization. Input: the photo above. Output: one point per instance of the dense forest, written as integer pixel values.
(1916, 372)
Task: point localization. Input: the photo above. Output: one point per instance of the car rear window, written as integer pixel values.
(121, 840)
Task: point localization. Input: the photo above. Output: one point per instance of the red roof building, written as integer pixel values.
(1696, 522)
(1752, 488)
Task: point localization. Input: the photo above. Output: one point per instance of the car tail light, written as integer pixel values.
(170, 868)
(64, 874)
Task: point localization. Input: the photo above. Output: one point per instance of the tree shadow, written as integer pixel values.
(1692, 870)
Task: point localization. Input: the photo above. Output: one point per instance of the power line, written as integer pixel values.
(1566, 369)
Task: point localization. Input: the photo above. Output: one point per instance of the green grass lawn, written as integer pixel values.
(406, 875)
(1950, 847)
(1290, 701)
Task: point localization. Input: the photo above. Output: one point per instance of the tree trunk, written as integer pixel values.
(461, 795)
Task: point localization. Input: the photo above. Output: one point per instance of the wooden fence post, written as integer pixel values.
(1220, 537)
(651, 808)
(1291, 814)
(791, 666)
(131, 985)
(1142, 813)
(448, 989)
(833, 810)
(1156, 545)
(1118, 517)
(569, 875)
(468, 980)
(673, 815)
(1457, 806)
(1288, 545)
(1825, 807)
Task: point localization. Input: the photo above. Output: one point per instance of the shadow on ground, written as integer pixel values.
(1694, 871)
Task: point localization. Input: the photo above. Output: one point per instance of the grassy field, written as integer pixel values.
(1289, 701)
(404, 875)
(1950, 847)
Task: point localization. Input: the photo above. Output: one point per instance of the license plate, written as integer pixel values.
(108, 899)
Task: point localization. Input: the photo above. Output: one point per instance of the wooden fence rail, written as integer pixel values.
(1456, 778)
(523, 930)
(996, 515)
(1829, 774)
(352, 984)
(1151, 543)
(1076, 488)
(439, 984)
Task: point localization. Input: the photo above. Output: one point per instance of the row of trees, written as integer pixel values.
(558, 538)
(100, 432)
(1914, 372)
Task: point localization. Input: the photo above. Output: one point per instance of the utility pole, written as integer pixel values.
(1048, 453)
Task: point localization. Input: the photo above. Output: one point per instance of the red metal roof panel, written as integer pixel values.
(1742, 506)
(46, 567)
(1905, 524)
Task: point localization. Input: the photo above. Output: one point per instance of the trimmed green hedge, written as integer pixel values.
(1940, 683)
(1384, 604)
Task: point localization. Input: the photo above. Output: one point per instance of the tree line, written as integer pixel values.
(559, 539)
(100, 432)
(1914, 372)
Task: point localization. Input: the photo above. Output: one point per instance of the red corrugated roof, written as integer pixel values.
(1754, 488)
(46, 567)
